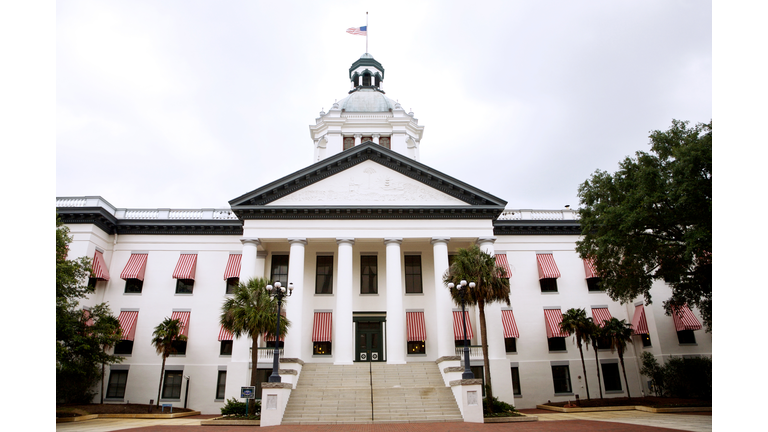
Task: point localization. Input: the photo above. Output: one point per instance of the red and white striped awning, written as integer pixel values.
(600, 315)
(321, 329)
(99, 268)
(547, 267)
(417, 331)
(501, 261)
(184, 318)
(127, 321)
(185, 268)
(458, 329)
(233, 266)
(685, 319)
(135, 268)
(639, 323)
(224, 334)
(589, 269)
(553, 318)
(510, 326)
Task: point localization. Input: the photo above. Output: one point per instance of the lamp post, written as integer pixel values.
(278, 292)
(462, 289)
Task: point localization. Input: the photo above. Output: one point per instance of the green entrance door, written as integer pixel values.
(369, 341)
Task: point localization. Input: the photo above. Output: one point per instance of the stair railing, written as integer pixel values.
(370, 377)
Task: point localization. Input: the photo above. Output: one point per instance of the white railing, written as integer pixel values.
(224, 214)
(185, 214)
(366, 116)
(511, 214)
(475, 352)
(70, 202)
(161, 214)
(264, 353)
(141, 214)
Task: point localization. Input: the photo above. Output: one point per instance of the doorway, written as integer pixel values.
(369, 339)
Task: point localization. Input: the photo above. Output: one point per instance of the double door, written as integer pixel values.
(369, 342)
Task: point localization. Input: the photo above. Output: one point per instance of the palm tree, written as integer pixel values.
(620, 332)
(165, 334)
(252, 312)
(576, 322)
(596, 332)
(492, 285)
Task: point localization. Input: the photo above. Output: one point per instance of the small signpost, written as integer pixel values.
(247, 393)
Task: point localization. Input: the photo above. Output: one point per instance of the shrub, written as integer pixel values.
(233, 407)
(496, 407)
(688, 377)
(653, 370)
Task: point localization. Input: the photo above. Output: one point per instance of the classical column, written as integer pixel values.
(358, 138)
(443, 302)
(375, 138)
(294, 340)
(494, 327)
(248, 260)
(261, 264)
(395, 312)
(344, 336)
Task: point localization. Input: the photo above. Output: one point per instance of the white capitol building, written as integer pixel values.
(364, 235)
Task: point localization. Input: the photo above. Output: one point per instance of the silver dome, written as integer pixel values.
(366, 100)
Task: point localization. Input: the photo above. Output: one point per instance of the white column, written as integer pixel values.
(443, 302)
(375, 138)
(248, 260)
(343, 330)
(494, 327)
(261, 263)
(395, 313)
(358, 138)
(294, 340)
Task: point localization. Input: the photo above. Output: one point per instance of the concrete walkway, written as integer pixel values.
(628, 421)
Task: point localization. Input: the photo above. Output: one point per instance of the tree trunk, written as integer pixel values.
(597, 362)
(486, 367)
(162, 372)
(624, 371)
(583, 366)
(254, 348)
(102, 383)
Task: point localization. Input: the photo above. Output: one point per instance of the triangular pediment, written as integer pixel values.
(368, 179)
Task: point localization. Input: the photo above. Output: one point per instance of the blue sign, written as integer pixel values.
(247, 392)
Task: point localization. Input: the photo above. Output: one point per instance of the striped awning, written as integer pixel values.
(553, 318)
(321, 329)
(127, 321)
(510, 326)
(417, 331)
(547, 267)
(135, 268)
(589, 268)
(233, 266)
(639, 323)
(99, 268)
(501, 261)
(685, 319)
(224, 334)
(600, 315)
(184, 318)
(185, 268)
(458, 329)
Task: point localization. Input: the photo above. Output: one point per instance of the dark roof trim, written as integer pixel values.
(529, 227)
(366, 62)
(111, 225)
(88, 215)
(363, 152)
(371, 212)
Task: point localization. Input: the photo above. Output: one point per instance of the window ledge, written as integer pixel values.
(518, 396)
(225, 355)
(109, 399)
(688, 344)
(183, 294)
(417, 355)
(321, 356)
(218, 400)
(171, 400)
(564, 394)
(614, 392)
(508, 352)
(416, 294)
(369, 294)
(123, 355)
(552, 352)
(131, 294)
(177, 355)
(550, 292)
(324, 294)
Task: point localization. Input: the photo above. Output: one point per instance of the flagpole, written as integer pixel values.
(366, 32)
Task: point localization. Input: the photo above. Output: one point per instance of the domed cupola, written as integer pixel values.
(366, 114)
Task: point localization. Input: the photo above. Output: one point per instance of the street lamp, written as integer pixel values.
(463, 291)
(278, 292)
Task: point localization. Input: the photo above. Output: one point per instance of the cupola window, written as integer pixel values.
(366, 80)
(378, 81)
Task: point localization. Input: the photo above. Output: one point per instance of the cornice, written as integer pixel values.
(536, 227)
(98, 216)
(367, 212)
(111, 225)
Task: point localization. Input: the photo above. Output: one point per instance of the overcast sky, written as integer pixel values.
(188, 104)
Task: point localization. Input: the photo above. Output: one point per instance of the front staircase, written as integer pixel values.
(329, 394)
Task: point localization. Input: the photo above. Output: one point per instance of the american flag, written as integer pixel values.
(362, 31)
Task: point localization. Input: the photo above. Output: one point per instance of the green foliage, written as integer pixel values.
(576, 322)
(163, 337)
(653, 370)
(233, 407)
(619, 332)
(82, 338)
(652, 220)
(688, 377)
(493, 407)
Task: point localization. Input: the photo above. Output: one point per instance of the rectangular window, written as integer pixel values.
(321, 348)
(556, 344)
(385, 142)
(516, 381)
(221, 384)
(184, 286)
(611, 378)
(548, 284)
(603, 343)
(133, 286)
(92, 282)
(225, 348)
(561, 376)
(646, 338)
(413, 274)
(116, 386)
(271, 344)
(180, 347)
(349, 142)
(232, 284)
(510, 344)
(369, 279)
(417, 347)
(686, 337)
(324, 275)
(172, 385)
(593, 284)
(280, 269)
(124, 347)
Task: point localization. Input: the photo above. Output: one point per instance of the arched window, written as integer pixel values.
(378, 80)
(356, 80)
(367, 80)
(349, 142)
